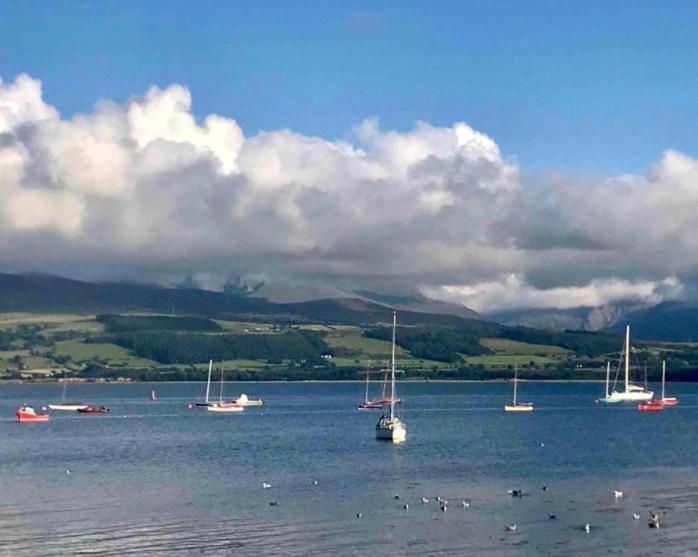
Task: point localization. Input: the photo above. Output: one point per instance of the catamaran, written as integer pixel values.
(518, 406)
(206, 402)
(222, 406)
(666, 400)
(368, 404)
(63, 405)
(631, 393)
(389, 426)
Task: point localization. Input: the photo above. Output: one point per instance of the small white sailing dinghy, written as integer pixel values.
(69, 406)
(389, 426)
(607, 398)
(630, 393)
(221, 406)
(516, 406)
(206, 401)
(666, 400)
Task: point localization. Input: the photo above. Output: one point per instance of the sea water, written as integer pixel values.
(158, 478)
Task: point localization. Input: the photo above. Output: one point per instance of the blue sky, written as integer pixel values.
(583, 87)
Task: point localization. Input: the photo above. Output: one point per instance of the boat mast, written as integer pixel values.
(208, 381)
(220, 396)
(663, 376)
(516, 378)
(63, 395)
(392, 371)
(627, 356)
(367, 371)
(608, 376)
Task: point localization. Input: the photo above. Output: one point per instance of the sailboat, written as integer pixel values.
(631, 393)
(666, 400)
(208, 386)
(368, 404)
(63, 405)
(518, 406)
(607, 398)
(221, 406)
(389, 426)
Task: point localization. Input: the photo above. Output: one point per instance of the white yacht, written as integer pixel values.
(630, 392)
(389, 426)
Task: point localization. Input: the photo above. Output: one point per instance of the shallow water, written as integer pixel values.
(156, 478)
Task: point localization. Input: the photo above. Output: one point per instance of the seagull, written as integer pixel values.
(425, 500)
(515, 492)
(273, 504)
(444, 508)
(406, 507)
(512, 527)
(654, 521)
(358, 515)
(465, 504)
(617, 494)
(545, 488)
(314, 482)
(587, 527)
(552, 516)
(397, 496)
(265, 485)
(67, 471)
(542, 444)
(636, 516)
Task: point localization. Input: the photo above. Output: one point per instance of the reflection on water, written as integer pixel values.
(157, 478)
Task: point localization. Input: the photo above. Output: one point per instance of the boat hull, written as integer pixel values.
(68, 407)
(225, 408)
(24, 415)
(391, 430)
(630, 396)
(650, 407)
(369, 406)
(518, 407)
(669, 401)
(94, 410)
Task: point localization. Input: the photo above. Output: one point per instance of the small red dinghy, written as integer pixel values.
(27, 414)
(650, 406)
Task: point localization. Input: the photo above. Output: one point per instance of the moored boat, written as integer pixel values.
(67, 406)
(368, 404)
(94, 410)
(206, 401)
(518, 406)
(244, 400)
(630, 392)
(389, 426)
(666, 400)
(222, 406)
(650, 406)
(28, 414)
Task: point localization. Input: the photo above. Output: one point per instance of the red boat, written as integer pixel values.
(27, 414)
(93, 410)
(650, 406)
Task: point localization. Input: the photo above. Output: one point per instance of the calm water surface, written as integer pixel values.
(154, 478)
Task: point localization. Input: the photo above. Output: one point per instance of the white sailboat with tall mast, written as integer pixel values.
(389, 426)
(222, 406)
(630, 392)
(516, 406)
(607, 397)
(666, 400)
(206, 401)
(70, 406)
(368, 404)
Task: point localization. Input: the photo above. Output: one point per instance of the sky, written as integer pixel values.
(497, 154)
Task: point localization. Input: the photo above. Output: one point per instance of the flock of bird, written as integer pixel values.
(653, 522)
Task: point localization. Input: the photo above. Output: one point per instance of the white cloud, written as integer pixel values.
(146, 188)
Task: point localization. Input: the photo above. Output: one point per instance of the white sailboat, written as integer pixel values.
(666, 400)
(630, 393)
(63, 405)
(518, 406)
(221, 406)
(206, 401)
(607, 398)
(389, 426)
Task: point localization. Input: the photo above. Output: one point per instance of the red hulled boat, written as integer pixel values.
(28, 414)
(651, 406)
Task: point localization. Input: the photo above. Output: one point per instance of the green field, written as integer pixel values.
(506, 346)
(110, 353)
(499, 360)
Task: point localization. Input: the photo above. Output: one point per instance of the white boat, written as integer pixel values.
(69, 406)
(244, 400)
(630, 393)
(518, 406)
(666, 400)
(206, 401)
(389, 426)
(607, 398)
(221, 406)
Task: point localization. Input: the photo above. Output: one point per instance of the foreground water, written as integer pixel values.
(155, 478)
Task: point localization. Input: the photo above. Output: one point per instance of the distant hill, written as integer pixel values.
(52, 294)
(676, 321)
(420, 303)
